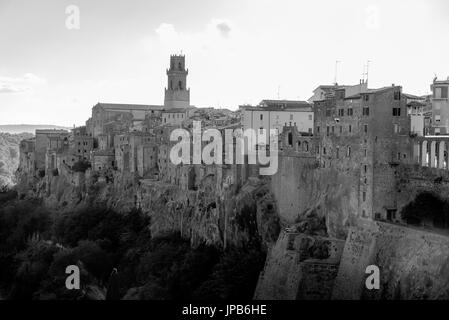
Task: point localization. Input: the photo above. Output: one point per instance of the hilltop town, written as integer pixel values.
(350, 159)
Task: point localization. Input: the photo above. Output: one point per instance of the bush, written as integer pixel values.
(81, 166)
(426, 207)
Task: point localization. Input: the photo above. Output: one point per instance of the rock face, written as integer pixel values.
(230, 216)
(299, 186)
(301, 267)
(413, 264)
(9, 156)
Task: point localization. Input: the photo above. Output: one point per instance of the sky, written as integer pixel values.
(54, 67)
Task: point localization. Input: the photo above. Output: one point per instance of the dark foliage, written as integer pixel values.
(81, 166)
(427, 207)
(36, 247)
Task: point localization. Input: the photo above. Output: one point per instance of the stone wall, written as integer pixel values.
(300, 267)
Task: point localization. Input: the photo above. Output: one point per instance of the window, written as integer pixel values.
(366, 153)
(364, 196)
(348, 153)
(437, 118)
(396, 128)
(310, 117)
(396, 112)
(365, 128)
(365, 111)
(365, 168)
(341, 129)
(350, 128)
(328, 112)
(261, 117)
(324, 150)
(365, 97)
(399, 156)
(444, 92)
(318, 129)
(338, 152)
(397, 95)
(333, 129)
(327, 130)
(179, 66)
(350, 112)
(180, 85)
(341, 112)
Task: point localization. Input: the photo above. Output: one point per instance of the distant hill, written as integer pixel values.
(9, 156)
(29, 128)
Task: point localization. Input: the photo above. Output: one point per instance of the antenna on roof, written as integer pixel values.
(336, 71)
(366, 73)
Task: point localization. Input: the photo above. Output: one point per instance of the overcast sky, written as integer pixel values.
(237, 51)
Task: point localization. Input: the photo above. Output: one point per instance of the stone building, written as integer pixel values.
(366, 136)
(104, 113)
(103, 160)
(328, 91)
(440, 107)
(175, 116)
(277, 115)
(42, 143)
(177, 95)
(147, 159)
(27, 157)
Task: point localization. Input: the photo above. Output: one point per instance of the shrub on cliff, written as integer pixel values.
(81, 166)
(427, 207)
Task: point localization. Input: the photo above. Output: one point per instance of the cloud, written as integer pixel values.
(217, 35)
(224, 29)
(22, 84)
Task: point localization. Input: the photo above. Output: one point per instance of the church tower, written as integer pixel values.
(176, 94)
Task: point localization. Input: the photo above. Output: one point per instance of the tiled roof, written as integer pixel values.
(120, 106)
(285, 103)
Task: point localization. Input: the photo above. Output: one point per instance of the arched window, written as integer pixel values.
(179, 66)
(290, 139)
(180, 85)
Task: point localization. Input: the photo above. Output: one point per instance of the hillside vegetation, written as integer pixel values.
(36, 246)
(9, 156)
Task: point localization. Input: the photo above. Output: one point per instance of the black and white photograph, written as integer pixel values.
(220, 157)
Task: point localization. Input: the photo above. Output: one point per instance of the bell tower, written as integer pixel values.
(177, 95)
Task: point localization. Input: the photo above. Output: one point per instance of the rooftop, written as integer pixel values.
(120, 106)
(284, 104)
